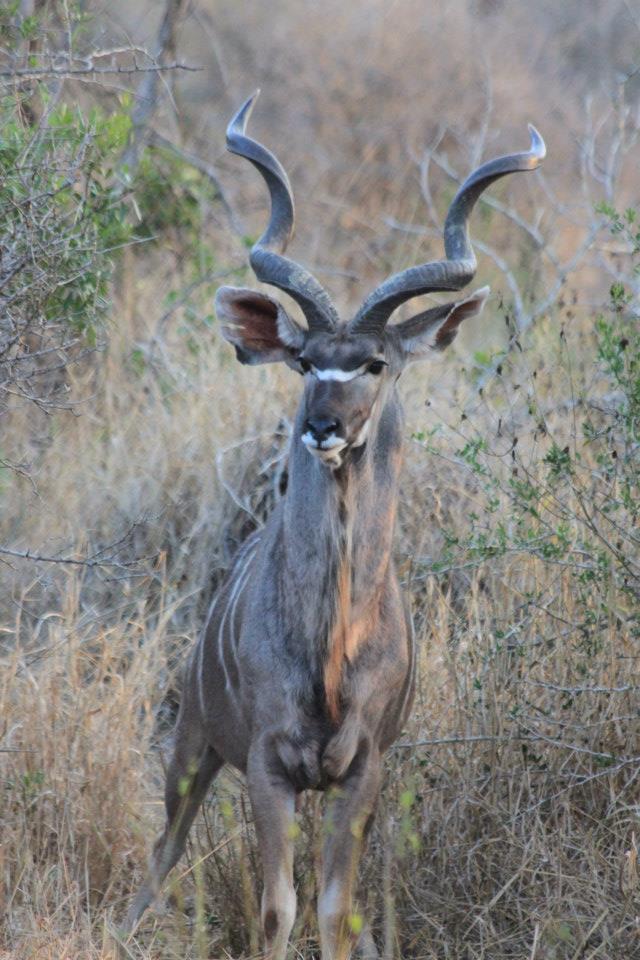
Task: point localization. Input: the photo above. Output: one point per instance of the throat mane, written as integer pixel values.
(351, 616)
(339, 638)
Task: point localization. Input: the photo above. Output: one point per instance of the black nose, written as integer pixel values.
(322, 427)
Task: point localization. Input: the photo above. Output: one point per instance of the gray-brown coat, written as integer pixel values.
(304, 673)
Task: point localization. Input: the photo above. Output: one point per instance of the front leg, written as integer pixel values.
(349, 814)
(273, 798)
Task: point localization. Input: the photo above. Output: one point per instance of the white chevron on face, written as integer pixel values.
(343, 376)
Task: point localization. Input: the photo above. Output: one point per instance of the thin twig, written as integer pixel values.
(515, 738)
(459, 738)
(147, 100)
(41, 558)
(38, 73)
(575, 690)
(157, 140)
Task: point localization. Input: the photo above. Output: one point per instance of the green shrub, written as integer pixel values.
(61, 223)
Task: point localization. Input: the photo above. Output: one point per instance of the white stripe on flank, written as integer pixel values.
(212, 607)
(238, 587)
(412, 669)
(337, 374)
(244, 576)
(247, 549)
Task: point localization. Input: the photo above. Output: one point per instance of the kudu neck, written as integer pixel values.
(347, 514)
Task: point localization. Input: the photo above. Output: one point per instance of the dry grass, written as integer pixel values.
(504, 830)
(509, 820)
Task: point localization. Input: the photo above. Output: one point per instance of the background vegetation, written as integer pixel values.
(135, 455)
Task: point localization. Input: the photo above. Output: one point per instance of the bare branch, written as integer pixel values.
(156, 139)
(41, 558)
(627, 688)
(78, 73)
(96, 559)
(516, 738)
(148, 93)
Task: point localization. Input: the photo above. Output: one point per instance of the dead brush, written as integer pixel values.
(69, 773)
(508, 823)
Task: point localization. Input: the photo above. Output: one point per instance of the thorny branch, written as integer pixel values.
(53, 252)
(87, 562)
(147, 98)
(626, 688)
(78, 73)
(156, 139)
(513, 738)
(104, 557)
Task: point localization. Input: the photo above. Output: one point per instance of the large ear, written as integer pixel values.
(258, 327)
(435, 329)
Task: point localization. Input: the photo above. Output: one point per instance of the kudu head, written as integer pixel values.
(349, 366)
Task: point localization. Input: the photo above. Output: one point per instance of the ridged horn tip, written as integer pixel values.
(483, 293)
(239, 120)
(538, 146)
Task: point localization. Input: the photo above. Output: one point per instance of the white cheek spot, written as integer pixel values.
(363, 433)
(336, 374)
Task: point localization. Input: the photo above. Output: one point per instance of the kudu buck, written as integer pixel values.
(304, 673)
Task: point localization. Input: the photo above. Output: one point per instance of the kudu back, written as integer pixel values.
(304, 673)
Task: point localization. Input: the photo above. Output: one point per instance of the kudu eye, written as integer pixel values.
(305, 366)
(376, 367)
